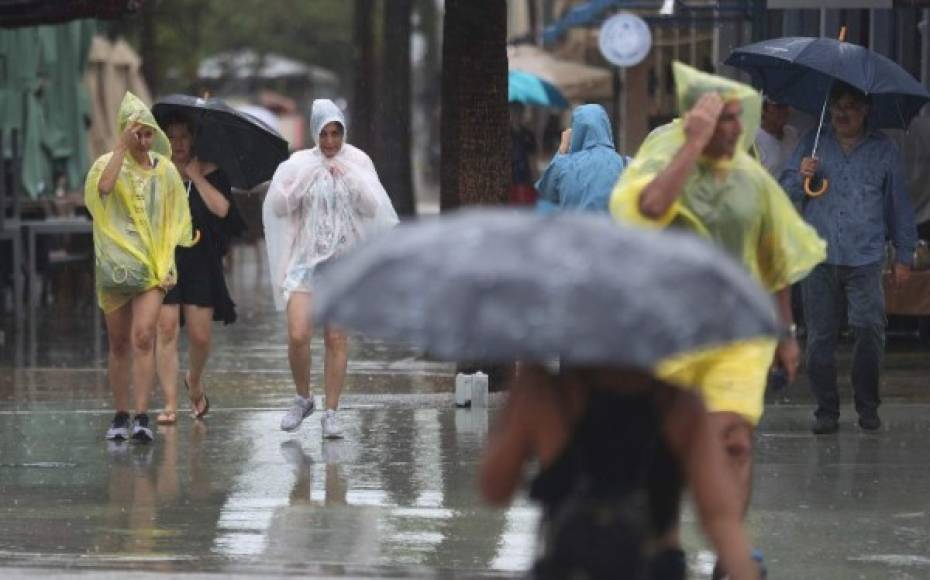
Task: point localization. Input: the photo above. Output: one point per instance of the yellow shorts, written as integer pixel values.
(730, 378)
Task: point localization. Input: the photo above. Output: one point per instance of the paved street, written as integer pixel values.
(235, 495)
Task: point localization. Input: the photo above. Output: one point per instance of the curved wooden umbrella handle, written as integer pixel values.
(197, 233)
(824, 186)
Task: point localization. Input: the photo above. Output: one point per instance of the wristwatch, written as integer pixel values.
(790, 331)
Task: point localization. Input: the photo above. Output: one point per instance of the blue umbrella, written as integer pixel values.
(799, 71)
(532, 90)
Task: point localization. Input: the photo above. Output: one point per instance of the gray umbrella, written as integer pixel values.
(499, 285)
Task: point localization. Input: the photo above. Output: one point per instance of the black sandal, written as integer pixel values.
(203, 397)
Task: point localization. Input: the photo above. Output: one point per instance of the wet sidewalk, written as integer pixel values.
(234, 495)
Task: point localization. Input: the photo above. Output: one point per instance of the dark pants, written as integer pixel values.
(823, 292)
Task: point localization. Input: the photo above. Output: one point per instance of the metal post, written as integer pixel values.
(760, 20)
(617, 105)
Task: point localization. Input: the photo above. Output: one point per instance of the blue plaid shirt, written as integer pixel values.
(866, 204)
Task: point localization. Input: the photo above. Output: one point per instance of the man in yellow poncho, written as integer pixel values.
(696, 173)
(140, 212)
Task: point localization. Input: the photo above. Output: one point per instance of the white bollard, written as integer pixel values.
(479, 390)
(463, 384)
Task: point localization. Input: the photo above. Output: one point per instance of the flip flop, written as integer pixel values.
(167, 418)
(206, 401)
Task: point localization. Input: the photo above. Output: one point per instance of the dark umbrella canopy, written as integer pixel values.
(799, 71)
(245, 148)
(498, 285)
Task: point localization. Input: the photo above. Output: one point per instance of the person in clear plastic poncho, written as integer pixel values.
(140, 212)
(696, 173)
(321, 202)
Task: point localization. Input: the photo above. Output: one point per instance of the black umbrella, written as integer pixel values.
(243, 146)
(498, 285)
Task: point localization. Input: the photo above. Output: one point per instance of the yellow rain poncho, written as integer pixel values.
(736, 204)
(138, 225)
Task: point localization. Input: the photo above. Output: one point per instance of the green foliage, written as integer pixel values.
(186, 31)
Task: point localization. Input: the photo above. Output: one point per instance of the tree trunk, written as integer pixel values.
(475, 127)
(395, 160)
(362, 112)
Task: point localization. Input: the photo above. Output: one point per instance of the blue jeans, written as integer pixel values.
(823, 292)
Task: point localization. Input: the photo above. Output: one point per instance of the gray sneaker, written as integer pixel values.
(332, 427)
(300, 410)
(141, 432)
(119, 428)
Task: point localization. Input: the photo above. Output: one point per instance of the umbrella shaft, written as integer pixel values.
(823, 113)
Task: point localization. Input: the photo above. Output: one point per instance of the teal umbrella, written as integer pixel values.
(532, 90)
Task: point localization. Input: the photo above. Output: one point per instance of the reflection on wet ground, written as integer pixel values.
(234, 495)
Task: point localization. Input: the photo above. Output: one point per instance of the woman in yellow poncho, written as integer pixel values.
(140, 212)
(696, 174)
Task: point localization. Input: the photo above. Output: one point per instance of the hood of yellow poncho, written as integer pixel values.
(132, 109)
(691, 84)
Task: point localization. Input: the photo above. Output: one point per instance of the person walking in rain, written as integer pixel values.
(321, 202)
(775, 138)
(866, 202)
(201, 287)
(140, 212)
(696, 174)
(615, 449)
(586, 167)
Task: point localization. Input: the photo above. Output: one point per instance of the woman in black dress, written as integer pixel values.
(201, 288)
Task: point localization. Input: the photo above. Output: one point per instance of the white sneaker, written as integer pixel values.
(300, 410)
(332, 428)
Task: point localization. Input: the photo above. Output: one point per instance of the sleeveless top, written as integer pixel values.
(615, 487)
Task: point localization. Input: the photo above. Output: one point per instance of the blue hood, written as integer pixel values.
(584, 178)
(590, 128)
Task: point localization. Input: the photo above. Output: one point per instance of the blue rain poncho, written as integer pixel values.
(583, 178)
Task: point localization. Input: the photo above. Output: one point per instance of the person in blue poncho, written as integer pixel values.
(586, 168)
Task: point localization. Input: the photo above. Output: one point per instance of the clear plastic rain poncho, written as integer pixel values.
(317, 208)
(138, 225)
(734, 202)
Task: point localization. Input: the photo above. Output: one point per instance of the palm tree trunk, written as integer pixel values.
(475, 124)
(475, 127)
(396, 147)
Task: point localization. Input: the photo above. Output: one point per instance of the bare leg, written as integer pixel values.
(299, 332)
(119, 363)
(166, 354)
(145, 309)
(735, 435)
(335, 362)
(199, 332)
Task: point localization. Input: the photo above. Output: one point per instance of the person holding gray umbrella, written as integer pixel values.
(866, 202)
(615, 444)
(321, 202)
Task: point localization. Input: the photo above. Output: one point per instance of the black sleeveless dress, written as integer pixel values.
(613, 490)
(201, 281)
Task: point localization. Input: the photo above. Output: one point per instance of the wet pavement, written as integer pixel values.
(233, 495)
